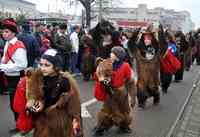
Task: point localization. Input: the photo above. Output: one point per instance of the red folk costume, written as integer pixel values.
(114, 94)
(24, 121)
(119, 77)
(11, 50)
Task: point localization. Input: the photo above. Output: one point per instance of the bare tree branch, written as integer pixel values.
(83, 2)
(92, 1)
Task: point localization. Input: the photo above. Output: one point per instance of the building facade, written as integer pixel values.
(169, 18)
(14, 8)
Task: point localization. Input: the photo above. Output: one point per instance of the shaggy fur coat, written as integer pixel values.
(55, 120)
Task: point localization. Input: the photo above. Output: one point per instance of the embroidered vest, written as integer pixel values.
(11, 50)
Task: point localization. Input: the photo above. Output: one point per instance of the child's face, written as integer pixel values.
(8, 34)
(113, 57)
(46, 67)
(147, 39)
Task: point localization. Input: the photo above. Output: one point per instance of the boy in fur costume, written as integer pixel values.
(147, 54)
(113, 84)
(51, 98)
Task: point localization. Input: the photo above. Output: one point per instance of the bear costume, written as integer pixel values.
(114, 85)
(54, 118)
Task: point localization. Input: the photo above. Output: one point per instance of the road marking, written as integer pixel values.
(84, 112)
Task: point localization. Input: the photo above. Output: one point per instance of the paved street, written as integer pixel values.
(189, 123)
(154, 121)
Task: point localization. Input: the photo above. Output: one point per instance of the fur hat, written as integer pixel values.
(116, 38)
(10, 24)
(52, 56)
(119, 52)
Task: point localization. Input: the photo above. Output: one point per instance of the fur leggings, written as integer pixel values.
(114, 112)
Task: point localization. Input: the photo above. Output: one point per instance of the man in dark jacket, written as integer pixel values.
(63, 45)
(197, 44)
(31, 43)
(2, 43)
(38, 33)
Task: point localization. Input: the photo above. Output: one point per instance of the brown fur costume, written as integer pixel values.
(116, 108)
(148, 69)
(34, 87)
(52, 121)
(148, 78)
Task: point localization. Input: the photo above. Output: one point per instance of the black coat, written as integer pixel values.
(32, 46)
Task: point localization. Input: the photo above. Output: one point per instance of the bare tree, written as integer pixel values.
(87, 4)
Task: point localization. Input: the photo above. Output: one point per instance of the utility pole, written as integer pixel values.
(100, 11)
(75, 7)
(56, 6)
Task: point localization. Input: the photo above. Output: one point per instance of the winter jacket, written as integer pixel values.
(62, 43)
(32, 46)
(2, 43)
(119, 77)
(42, 119)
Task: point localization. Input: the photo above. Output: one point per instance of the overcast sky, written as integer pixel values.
(193, 6)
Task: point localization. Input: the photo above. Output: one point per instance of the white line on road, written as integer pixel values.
(89, 102)
(84, 112)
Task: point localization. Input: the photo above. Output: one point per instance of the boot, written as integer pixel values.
(99, 131)
(126, 130)
(156, 98)
(142, 97)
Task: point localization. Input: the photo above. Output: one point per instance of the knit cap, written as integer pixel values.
(119, 52)
(52, 56)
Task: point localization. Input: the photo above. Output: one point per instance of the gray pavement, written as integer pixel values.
(189, 123)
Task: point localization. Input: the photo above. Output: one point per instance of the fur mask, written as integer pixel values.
(104, 69)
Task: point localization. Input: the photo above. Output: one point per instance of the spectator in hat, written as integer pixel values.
(14, 59)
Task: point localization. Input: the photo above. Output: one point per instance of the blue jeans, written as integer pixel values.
(73, 63)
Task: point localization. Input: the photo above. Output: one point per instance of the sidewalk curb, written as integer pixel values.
(196, 83)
